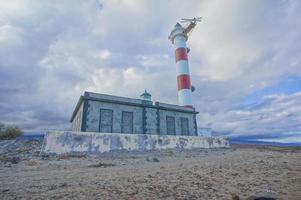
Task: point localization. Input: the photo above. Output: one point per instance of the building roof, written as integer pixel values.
(129, 101)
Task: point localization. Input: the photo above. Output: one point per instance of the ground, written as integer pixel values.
(199, 174)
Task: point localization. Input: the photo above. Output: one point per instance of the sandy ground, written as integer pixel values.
(197, 174)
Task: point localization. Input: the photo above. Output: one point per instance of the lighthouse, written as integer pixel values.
(178, 38)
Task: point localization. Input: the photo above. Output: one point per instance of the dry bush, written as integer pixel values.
(11, 132)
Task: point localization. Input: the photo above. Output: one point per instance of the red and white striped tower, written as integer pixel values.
(178, 39)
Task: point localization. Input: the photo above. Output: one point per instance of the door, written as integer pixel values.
(106, 121)
(170, 124)
(127, 122)
(184, 126)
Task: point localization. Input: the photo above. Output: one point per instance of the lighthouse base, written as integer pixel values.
(66, 142)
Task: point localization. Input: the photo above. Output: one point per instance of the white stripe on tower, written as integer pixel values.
(182, 67)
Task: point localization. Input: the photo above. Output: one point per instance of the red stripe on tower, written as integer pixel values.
(183, 82)
(181, 54)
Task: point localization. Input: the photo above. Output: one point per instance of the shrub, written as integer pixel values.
(10, 132)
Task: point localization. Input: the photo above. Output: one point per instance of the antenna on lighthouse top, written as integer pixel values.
(191, 25)
(183, 31)
(195, 19)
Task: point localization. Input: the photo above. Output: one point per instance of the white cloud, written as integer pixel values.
(10, 35)
(277, 114)
(104, 54)
(154, 60)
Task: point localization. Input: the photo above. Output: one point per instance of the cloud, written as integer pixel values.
(276, 114)
(154, 60)
(242, 38)
(104, 54)
(51, 52)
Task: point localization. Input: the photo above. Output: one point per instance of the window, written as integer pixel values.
(106, 121)
(170, 124)
(184, 126)
(127, 122)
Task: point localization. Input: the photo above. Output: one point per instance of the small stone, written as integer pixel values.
(235, 196)
(234, 174)
(104, 165)
(149, 159)
(14, 160)
(63, 185)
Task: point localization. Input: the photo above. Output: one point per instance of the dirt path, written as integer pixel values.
(157, 175)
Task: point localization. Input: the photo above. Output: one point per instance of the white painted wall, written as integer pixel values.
(62, 142)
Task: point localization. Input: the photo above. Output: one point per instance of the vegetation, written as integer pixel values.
(9, 132)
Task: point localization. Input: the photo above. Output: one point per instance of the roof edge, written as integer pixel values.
(79, 102)
(164, 106)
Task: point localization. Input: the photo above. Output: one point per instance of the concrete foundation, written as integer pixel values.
(66, 142)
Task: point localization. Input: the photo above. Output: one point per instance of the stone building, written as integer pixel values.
(113, 114)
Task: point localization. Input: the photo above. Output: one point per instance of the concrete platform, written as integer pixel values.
(67, 142)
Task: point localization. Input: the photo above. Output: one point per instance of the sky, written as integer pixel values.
(245, 60)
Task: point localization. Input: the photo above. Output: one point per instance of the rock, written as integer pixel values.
(63, 185)
(31, 163)
(234, 196)
(100, 164)
(154, 159)
(235, 174)
(260, 198)
(12, 159)
(23, 148)
(15, 160)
